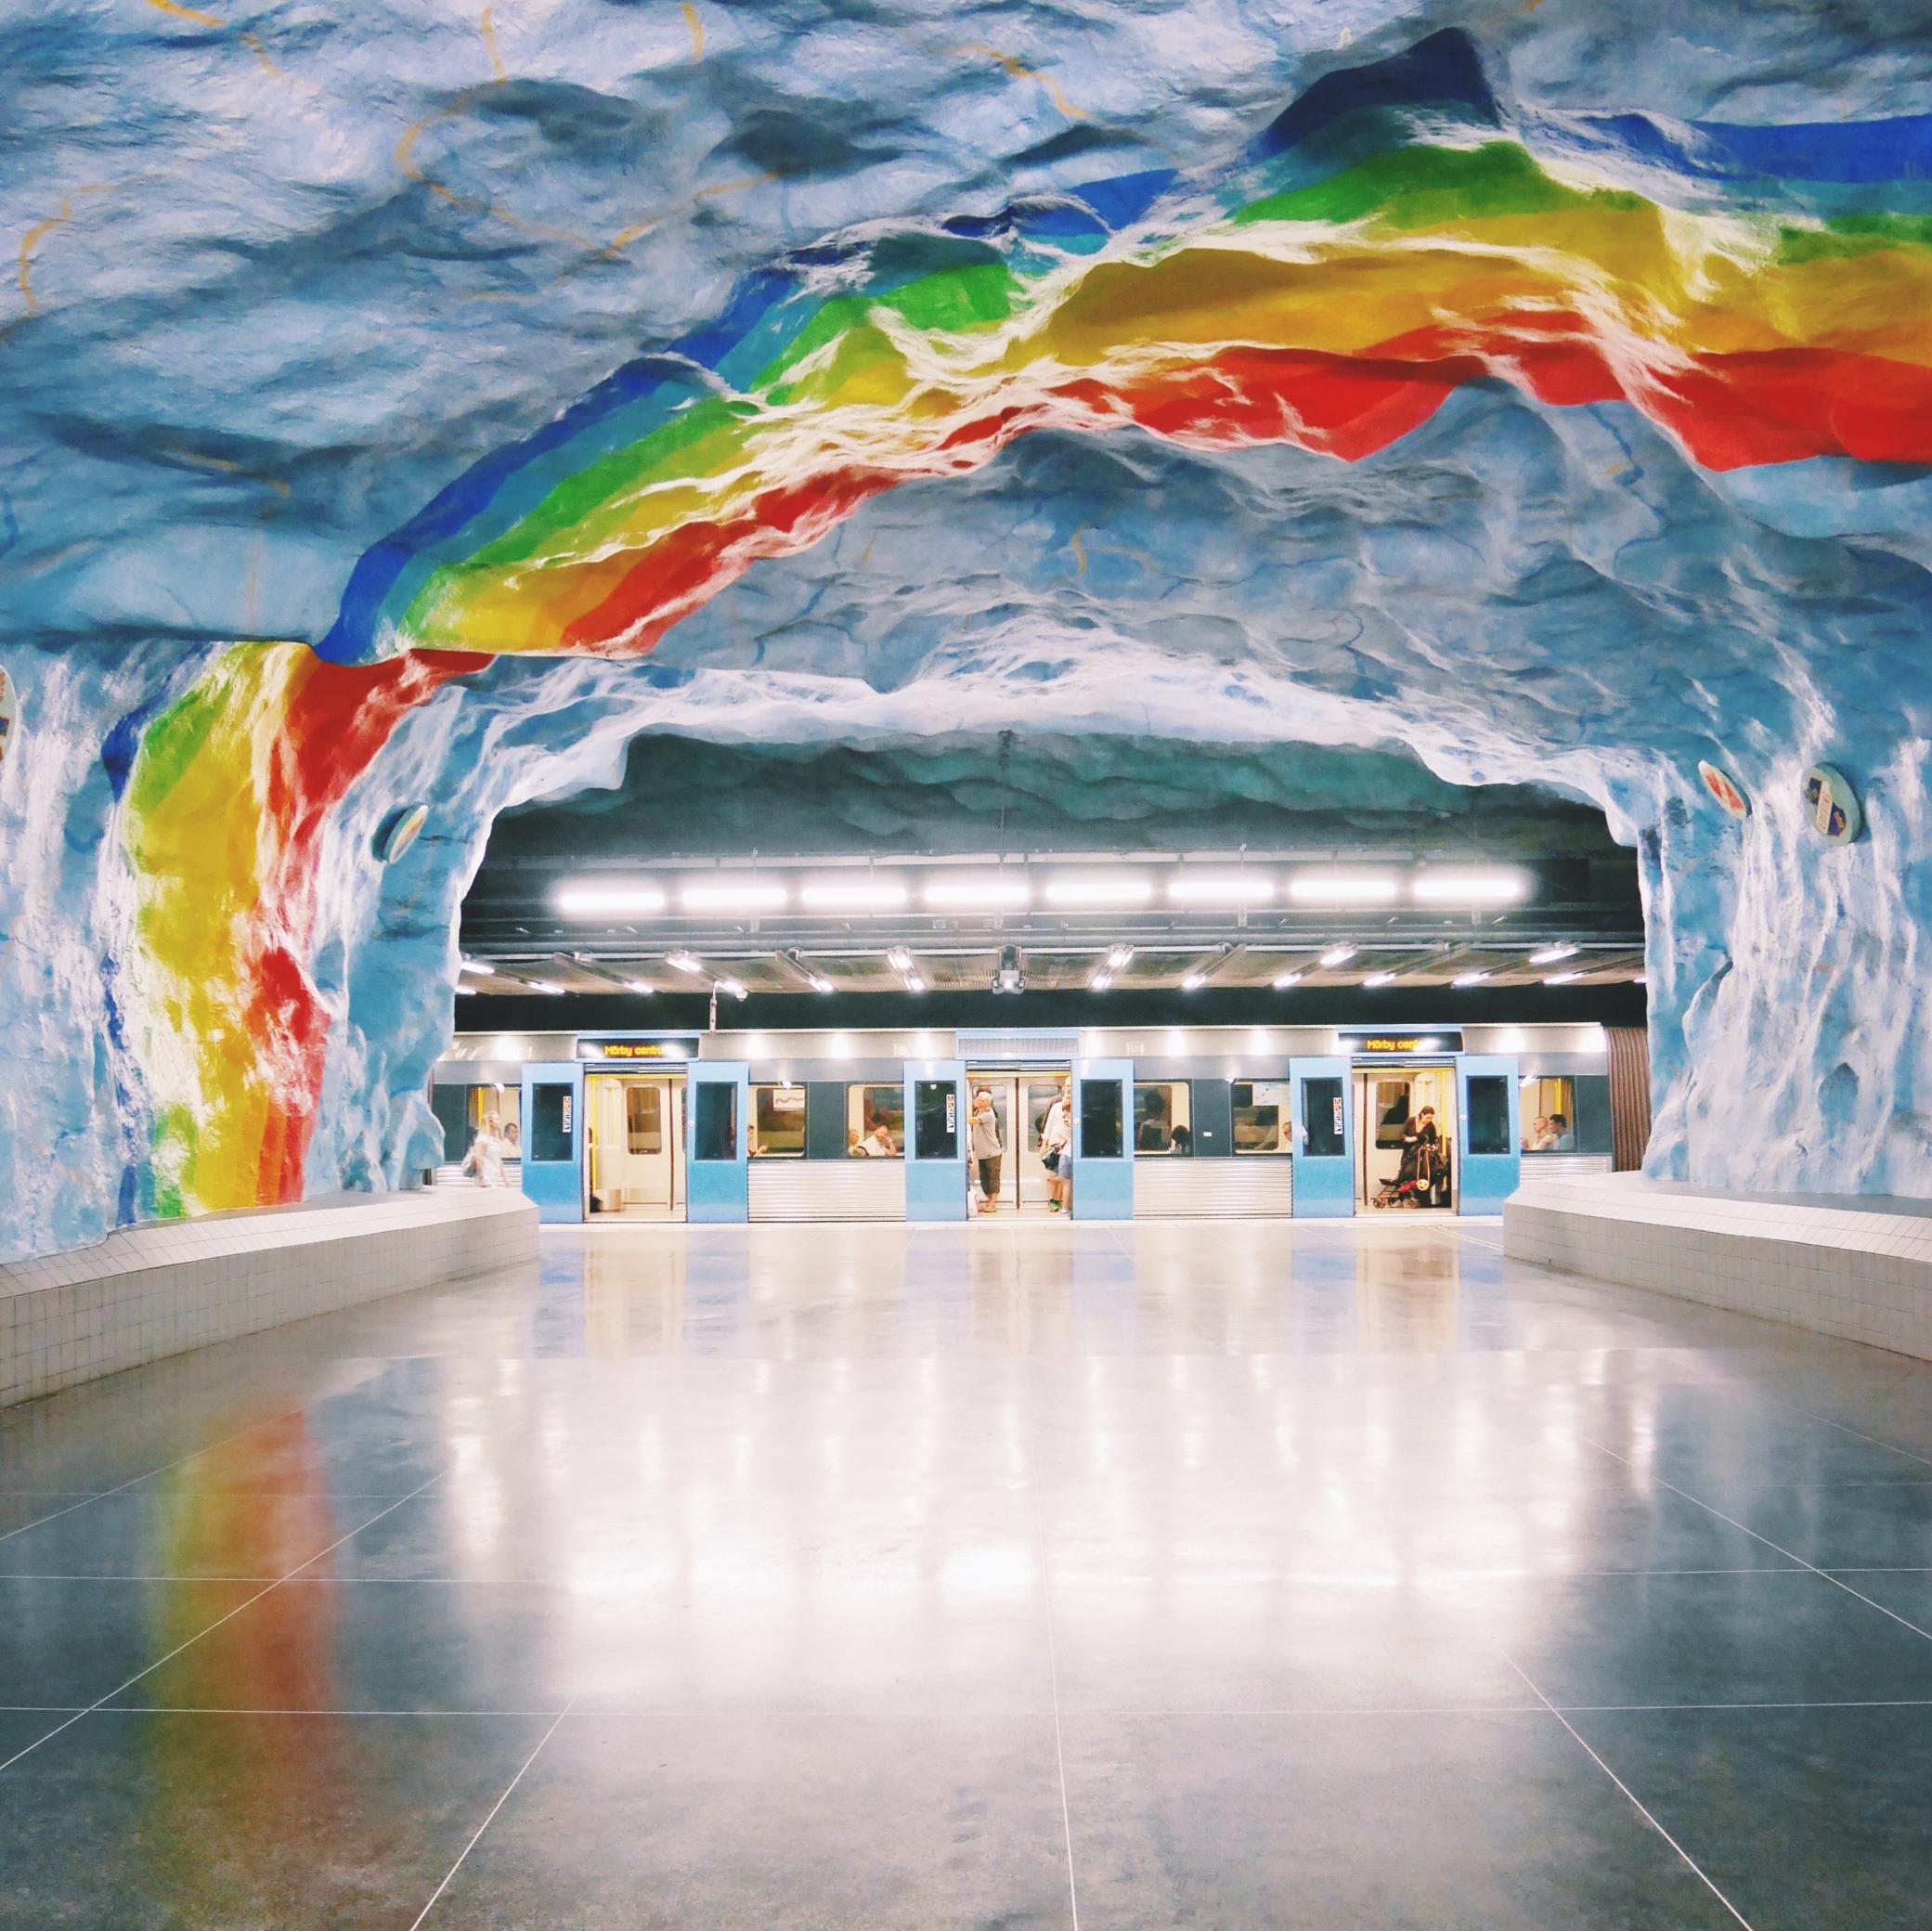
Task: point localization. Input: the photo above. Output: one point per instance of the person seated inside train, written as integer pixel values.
(1183, 1139)
(1562, 1140)
(878, 1143)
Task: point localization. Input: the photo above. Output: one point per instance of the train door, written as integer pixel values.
(936, 1139)
(717, 1157)
(1395, 1167)
(552, 1163)
(1021, 1103)
(634, 1152)
(1323, 1140)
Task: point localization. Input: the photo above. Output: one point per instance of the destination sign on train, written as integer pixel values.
(637, 1048)
(1402, 1042)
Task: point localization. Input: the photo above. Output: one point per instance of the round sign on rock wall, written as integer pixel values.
(1726, 789)
(10, 714)
(397, 832)
(1833, 805)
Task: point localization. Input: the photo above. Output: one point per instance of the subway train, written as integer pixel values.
(1164, 1122)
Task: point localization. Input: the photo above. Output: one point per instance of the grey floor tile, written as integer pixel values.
(1869, 1524)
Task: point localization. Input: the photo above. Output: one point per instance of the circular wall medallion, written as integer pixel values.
(1834, 807)
(397, 832)
(10, 714)
(1724, 788)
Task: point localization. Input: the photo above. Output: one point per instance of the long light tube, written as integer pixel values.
(1100, 981)
(1220, 889)
(1468, 978)
(820, 983)
(1468, 885)
(474, 965)
(1380, 978)
(852, 895)
(543, 985)
(1551, 953)
(1341, 887)
(607, 901)
(683, 961)
(977, 894)
(1119, 957)
(734, 987)
(1562, 979)
(1283, 981)
(737, 895)
(639, 985)
(1337, 955)
(1100, 893)
(1194, 982)
(899, 959)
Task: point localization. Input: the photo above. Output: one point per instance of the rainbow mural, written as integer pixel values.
(1760, 294)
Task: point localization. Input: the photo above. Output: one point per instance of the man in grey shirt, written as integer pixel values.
(987, 1149)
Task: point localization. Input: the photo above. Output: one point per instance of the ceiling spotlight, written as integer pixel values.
(1341, 887)
(592, 901)
(734, 987)
(899, 958)
(1227, 889)
(1194, 982)
(543, 985)
(1283, 981)
(1466, 885)
(1562, 979)
(683, 961)
(852, 895)
(743, 895)
(977, 895)
(638, 985)
(820, 983)
(1551, 953)
(1380, 978)
(914, 983)
(1100, 981)
(1337, 955)
(1468, 978)
(1119, 957)
(1009, 975)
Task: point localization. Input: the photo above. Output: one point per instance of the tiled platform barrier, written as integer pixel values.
(1859, 1266)
(150, 1292)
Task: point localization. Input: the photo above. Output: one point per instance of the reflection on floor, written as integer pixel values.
(1317, 1576)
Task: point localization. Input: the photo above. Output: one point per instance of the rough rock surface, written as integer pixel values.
(287, 277)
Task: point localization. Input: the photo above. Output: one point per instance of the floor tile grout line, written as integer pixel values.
(1904, 1622)
(247, 1603)
(1637, 1803)
(149, 1474)
(1859, 1433)
(1060, 1751)
(449, 1875)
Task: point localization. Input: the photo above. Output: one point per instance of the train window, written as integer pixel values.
(936, 1118)
(714, 1112)
(643, 1117)
(505, 1102)
(1160, 1112)
(1489, 1113)
(875, 1121)
(1549, 1113)
(1261, 1116)
(552, 1120)
(1321, 1118)
(1102, 1128)
(778, 1121)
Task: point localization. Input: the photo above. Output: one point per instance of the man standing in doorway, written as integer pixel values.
(987, 1149)
(1057, 1149)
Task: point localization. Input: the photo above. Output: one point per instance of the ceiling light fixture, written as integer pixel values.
(734, 987)
(1194, 982)
(1467, 884)
(462, 987)
(589, 900)
(1009, 974)
(1562, 979)
(1337, 955)
(1283, 981)
(1119, 957)
(1551, 953)
(474, 965)
(1468, 978)
(638, 985)
(977, 895)
(683, 961)
(820, 983)
(1223, 890)
(1380, 978)
(1100, 893)
(1341, 887)
(1100, 981)
(543, 985)
(740, 895)
(914, 983)
(852, 895)
(899, 958)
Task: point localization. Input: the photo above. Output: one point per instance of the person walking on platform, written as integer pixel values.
(485, 1157)
(987, 1149)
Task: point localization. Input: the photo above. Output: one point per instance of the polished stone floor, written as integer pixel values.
(1229, 1575)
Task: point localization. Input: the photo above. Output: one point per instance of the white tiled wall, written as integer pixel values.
(1864, 1273)
(149, 1291)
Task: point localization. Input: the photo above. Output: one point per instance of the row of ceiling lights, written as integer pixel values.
(1008, 975)
(1098, 891)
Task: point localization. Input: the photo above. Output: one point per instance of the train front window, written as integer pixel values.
(1548, 1104)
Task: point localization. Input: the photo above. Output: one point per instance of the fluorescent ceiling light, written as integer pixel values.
(1216, 888)
(1551, 953)
(462, 987)
(1468, 978)
(1194, 982)
(738, 895)
(1467, 884)
(1283, 981)
(899, 959)
(914, 983)
(820, 983)
(543, 985)
(734, 987)
(1100, 981)
(853, 894)
(683, 961)
(1341, 887)
(1562, 979)
(977, 894)
(639, 985)
(1640, 979)
(1380, 978)
(602, 900)
(474, 966)
(1337, 955)
(1119, 957)
(1101, 892)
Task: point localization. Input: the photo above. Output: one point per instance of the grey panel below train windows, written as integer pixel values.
(825, 1130)
(1593, 1113)
(1213, 1104)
